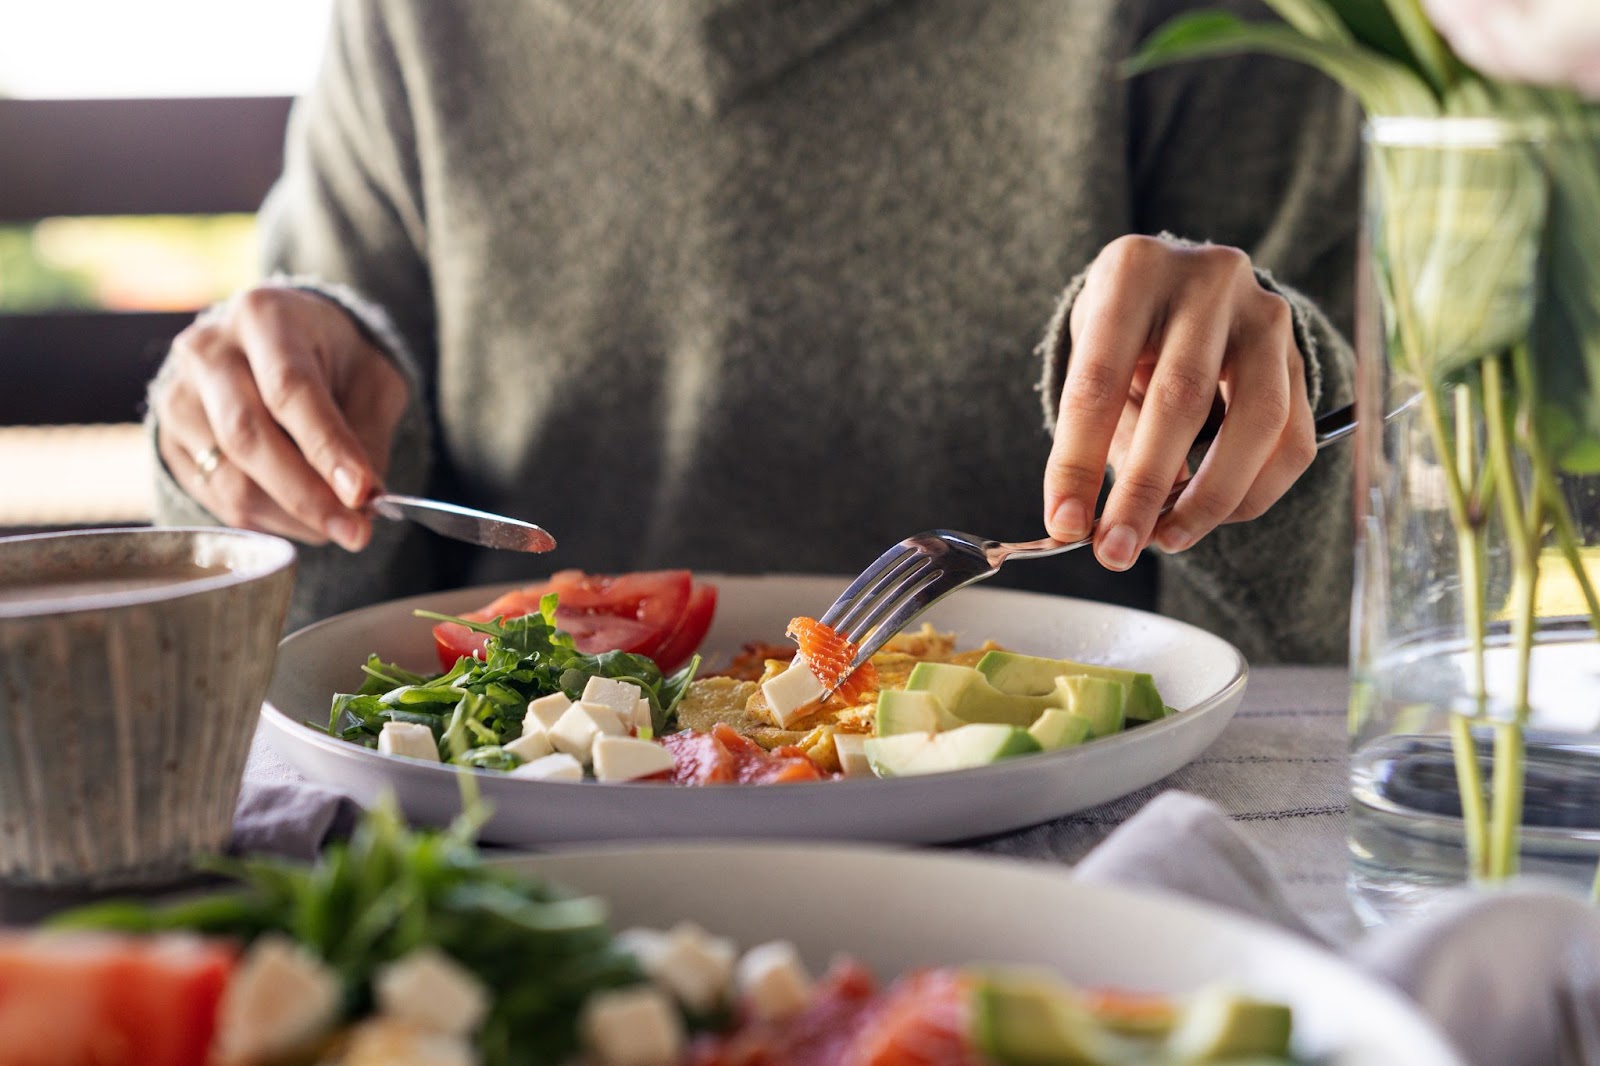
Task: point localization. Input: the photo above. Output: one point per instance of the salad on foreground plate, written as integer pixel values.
(407, 948)
(597, 677)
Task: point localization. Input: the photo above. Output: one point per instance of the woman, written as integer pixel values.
(750, 285)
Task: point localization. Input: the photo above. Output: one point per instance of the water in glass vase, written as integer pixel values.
(1407, 842)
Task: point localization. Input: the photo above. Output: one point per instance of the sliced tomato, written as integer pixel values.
(648, 613)
(109, 1001)
(691, 629)
(653, 598)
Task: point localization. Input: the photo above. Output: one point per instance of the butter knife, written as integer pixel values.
(463, 523)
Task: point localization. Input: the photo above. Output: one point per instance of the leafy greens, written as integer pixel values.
(476, 707)
(390, 890)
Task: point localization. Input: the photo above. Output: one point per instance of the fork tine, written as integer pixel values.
(878, 600)
(908, 602)
(884, 570)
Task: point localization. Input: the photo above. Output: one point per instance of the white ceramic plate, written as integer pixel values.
(914, 909)
(1201, 675)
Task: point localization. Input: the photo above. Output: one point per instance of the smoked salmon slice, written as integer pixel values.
(829, 656)
(924, 1019)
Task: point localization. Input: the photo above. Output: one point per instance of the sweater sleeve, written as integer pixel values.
(1263, 155)
(346, 220)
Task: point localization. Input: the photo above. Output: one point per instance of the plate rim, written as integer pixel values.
(355, 754)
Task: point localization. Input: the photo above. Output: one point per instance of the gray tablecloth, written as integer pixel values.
(1278, 770)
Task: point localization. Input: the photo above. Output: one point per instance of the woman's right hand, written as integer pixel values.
(276, 413)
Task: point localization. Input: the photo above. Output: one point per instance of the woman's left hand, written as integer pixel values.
(1164, 336)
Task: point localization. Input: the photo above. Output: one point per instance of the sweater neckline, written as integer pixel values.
(712, 51)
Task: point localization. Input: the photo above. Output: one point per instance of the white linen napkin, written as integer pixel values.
(1511, 976)
(292, 819)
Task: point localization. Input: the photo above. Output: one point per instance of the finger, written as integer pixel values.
(252, 440)
(295, 387)
(181, 428)
(1178, 402)
(373, 404)
(1258, 409)
(1093, 400)
(226, 492)
(1296, 450)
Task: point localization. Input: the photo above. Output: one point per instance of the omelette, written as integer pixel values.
(733, 697)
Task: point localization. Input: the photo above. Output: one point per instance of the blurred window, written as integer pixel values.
(88, 302)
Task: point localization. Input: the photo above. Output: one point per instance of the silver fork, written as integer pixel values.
(925, 568)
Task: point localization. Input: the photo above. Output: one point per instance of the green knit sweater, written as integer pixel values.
(758, 285)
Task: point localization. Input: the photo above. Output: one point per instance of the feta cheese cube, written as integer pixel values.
(390, 1042)
(642, 718)
(852, 751)
(621, 696)
(694, 966)
(546, 711)
(430, 989)
(531, 745)
(632, 1027)
(280, 999)
(574, 733)
(411, 739)
(628, 758)
(773, 981)
(792, 692)
(558, 767)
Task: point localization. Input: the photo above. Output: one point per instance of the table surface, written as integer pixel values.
(1278, 770)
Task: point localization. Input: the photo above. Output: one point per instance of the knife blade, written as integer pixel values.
(463, 523)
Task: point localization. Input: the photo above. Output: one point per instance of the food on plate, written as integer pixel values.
(722, 756)
(406, 947)
(524, 694)
(527, 694)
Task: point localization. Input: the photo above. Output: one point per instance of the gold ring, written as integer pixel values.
(206, 462)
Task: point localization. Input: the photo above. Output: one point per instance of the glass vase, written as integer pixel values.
(1475, 665)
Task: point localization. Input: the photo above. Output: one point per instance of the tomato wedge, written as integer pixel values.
(653, 598)
(68, 1000)
(661, 614)
(691, 629)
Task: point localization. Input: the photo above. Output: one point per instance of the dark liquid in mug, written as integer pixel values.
(65, 591)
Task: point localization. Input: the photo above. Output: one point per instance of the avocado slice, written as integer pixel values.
(969, 696)
(1056, 728)
(1219, 1024)
(976, 744)
(904, 711)
(1032, 675)
(981, 743)
(1033, 1021)
(902, 755)
(1099, 701)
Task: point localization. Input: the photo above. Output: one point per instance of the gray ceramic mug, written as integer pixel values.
(132, 667)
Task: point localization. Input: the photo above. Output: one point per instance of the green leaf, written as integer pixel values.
(1564, 344)
(1431, 58)
(1372, 25)
(1383, 86)
(1314, 18)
